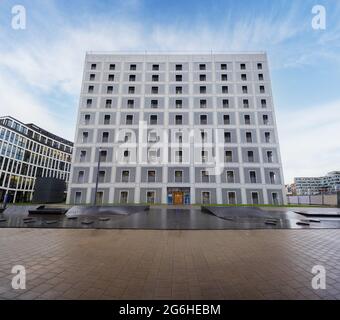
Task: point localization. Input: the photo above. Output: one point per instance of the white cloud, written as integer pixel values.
(15, 101)
(309, 140)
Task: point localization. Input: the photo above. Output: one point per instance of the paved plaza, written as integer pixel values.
(169, 264)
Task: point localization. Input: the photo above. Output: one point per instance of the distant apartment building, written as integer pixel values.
(316, 185)
(27, 152)
(177, 129)
(290, 189)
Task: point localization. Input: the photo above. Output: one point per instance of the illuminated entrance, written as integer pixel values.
(178, 196)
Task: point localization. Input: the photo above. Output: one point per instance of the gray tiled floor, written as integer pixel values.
(173, 264)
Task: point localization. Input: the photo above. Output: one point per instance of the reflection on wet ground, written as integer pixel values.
(167, 218)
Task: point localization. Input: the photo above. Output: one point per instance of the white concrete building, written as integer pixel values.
(176, 128)
(316, 185)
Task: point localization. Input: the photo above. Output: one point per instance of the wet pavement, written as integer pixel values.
(169, 264)
(167, 218)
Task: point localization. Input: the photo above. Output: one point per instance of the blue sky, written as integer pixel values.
(41, 66)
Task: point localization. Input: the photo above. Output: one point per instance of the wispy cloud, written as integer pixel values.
(309, 140)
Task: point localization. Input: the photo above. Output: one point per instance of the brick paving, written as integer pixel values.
(158, 264)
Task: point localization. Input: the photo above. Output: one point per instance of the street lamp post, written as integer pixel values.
(97, 178)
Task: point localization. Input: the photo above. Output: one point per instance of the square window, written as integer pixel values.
(224, 77)
(178, 176)
(225, 103)
(178, 67)
(107, 119)
(203, 104)
(227, 137)
(226, 119)
(270, 156)
(260, 75)
(105, 137)
(87, 119)
(103, 155)
(244, 89)
(92, 77)
(179, 104)
(252, 176)
(154, 90)
(90, 89)
(259, 66)
(132, 77)
(154, 104)
(82, 156)
(155, 77)
(129, 119)
(249, 138)
(223, 66)
(178, 119)
(203, 89)
(111, 77)
(130, 104)
(101, 176)
(151, 176)
(125, 176)
(179, 90)
(246, 119)
(205, 176)
(272, 177)
(230, 176)
(124, 195)
(178, 77)
(225, 89)
(133, 67)
(108, 103)
(203, 77)
(93, 66)
(109, 89)
(242, 66)
(204, 136)
(243, 77)
(245, 103)
(228, 156)
(131, 90)
(112, 66)
(153, 119)
(81, 175)
(179, 156)
(85, 137)
(232, 197)
(155, 67)
(265, 119)
(202, 66)
(255, 197)
(203, 119)
(250, 155)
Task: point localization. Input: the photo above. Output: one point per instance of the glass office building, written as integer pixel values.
(26, 152)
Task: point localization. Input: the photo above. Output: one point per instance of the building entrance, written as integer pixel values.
(178, 196)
